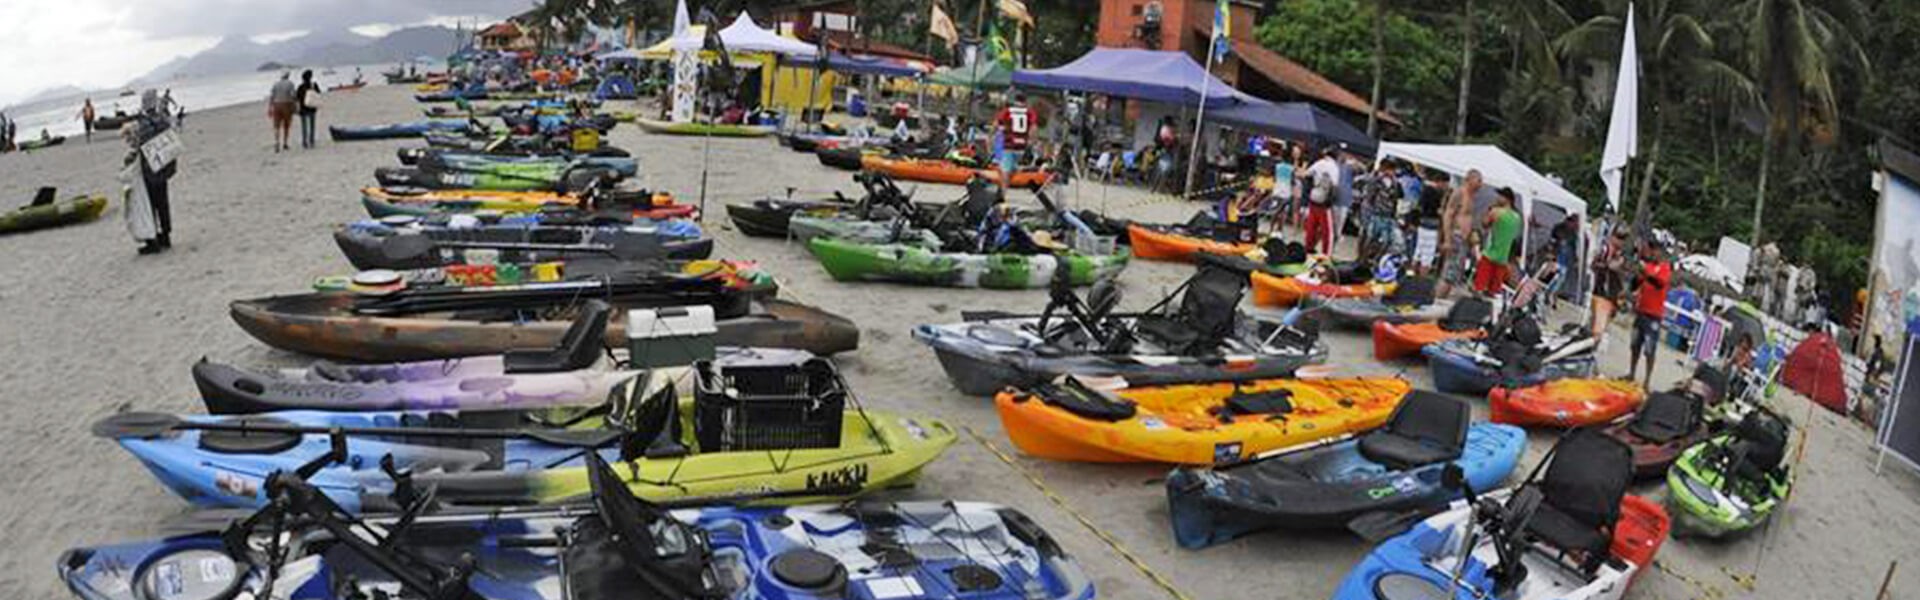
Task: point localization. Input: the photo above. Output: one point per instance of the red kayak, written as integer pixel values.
(1392, 341)
(1565, 402)
(1667, 423)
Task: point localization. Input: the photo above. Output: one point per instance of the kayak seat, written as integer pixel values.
(1426, 428)
(1468, 314)
(1271, 402)
(1760, 444)
(1581, 491)
(1666, 417)
(45, 196)
(1412, 291)
(1712, 378)
(579, 347)
(1075, 397)
(1209, 305)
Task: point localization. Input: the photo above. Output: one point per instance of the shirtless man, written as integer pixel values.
(1456, 234)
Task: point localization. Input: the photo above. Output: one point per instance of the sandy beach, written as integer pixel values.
(89, 328)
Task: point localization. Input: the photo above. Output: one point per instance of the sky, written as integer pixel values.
(93, 44)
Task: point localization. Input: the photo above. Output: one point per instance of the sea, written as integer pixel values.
(61, 115)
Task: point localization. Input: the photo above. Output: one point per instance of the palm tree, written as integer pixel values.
(1679, 64)
(1794, 48)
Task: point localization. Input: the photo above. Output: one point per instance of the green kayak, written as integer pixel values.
(65, 212)
(854, 261)
(807, 227)
(713, 129)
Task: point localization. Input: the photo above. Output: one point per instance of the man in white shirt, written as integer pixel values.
(1323, 176)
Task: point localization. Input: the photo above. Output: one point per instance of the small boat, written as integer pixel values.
(1666, 424)
(1201, 338)
(1571, 402)
(396, 130)
(714, 442)
(943, 171)
(851, 260)
(1411, 301)
(619, 546)
(1466, 319)
(1345, 482)
(1275, 290)
(1516, 356)
(377, 245)
(1196, 424)
(1572, 534)
(111, 122)
(769, 217)
(1171, 243)
(42, 142)
(713, 129)
(469, 161)
(1735, 480)
(348, 87)
(44, 212)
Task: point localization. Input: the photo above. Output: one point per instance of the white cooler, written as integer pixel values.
(673, 336)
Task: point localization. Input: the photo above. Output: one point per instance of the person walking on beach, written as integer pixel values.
(1503, 226)
(308, 97)
(86, 119)
(280, 104)
(1649, 307)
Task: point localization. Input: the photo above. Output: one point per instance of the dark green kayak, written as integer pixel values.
(64, 212)
(854, 261)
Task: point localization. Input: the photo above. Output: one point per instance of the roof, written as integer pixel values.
(1899, 160)
(1153, 75)
(1301, 80)
(1496, 167)
(501, 29)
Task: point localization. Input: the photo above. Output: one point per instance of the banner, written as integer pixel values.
(941, 26)
(686, 84)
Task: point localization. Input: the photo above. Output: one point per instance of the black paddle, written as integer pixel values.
(151, 424)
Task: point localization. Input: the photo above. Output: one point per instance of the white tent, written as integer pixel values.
(743, 36)
(1497, 169)
(621, 54)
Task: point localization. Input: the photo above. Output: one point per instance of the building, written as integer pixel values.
(1187, 25)
(506, 36)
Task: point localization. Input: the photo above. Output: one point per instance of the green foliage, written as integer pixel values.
(1334, 37)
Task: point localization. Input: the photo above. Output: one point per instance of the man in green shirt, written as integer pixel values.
(1503, 225)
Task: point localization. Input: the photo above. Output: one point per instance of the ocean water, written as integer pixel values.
(61, 116)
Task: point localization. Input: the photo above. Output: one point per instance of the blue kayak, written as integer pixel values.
(1326, 487)
(615, 547)
(396, 130)
(1465, 367)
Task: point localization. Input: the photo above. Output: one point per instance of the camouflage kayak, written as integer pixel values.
(849, 260)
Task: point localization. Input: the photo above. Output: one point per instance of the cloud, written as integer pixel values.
(187, 18)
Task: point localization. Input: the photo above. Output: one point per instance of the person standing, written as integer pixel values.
(1323, 176)
(151, 122)
(307, 96)
(280, 105)
(86, 119)
(1649, 307)
(1343, 194)
(1015, 125)
(1503, 226)
(1456, 232)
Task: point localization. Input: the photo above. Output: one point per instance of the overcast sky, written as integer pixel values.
(104, 43)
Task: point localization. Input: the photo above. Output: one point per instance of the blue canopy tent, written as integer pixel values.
(1151, 75)
(1292, 120)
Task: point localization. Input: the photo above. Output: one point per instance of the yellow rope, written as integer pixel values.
(1057, 500)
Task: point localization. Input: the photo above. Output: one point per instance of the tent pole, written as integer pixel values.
(1200, 116)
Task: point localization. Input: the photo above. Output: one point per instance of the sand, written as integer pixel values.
(90, 328)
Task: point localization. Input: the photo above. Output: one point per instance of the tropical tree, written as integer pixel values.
(1680, 65)
(1795, 50)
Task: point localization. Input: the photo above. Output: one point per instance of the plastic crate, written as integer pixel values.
(768, 407)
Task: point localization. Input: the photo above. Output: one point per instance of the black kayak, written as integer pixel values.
(371, 245)
(841, 158)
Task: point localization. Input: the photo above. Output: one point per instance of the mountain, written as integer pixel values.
(316, 49)
(51, 94)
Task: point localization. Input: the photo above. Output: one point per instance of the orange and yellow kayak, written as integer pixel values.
(1196, 424)
(1392, 341)
(941, 171)
(1566, 402)
(1277, 290)
(1155, 244)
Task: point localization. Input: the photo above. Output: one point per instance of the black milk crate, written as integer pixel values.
(768, 407)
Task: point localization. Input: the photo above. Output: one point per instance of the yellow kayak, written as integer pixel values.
(1194, 424)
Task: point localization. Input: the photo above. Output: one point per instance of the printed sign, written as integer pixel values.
(162, 150)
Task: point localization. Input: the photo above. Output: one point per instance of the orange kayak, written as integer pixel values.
(940, 171)
(1196, 424)
(1276, 290)
(1154, 244)
(1392, 341)
(1565, 402)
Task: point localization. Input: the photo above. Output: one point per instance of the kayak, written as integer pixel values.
(1163, 243)
(713, 129)
(1734, 481)
(78, 209)
(1465, 367)
(499, 176)
(38, 143)
(386, 202)
(395, 130)
(1411, 301)
(1667, 424)
(1273, 290)
(447, 159)
(617, 547)
(769, 217)
(846, 159)
(1197, 424)
(1575, 534)
(1467, 319)
(1393, 470)
(848, 228)
(837, 453)
(1573, 402)
(375, 245)
(325, 325)
(942, 171)
(848, 260)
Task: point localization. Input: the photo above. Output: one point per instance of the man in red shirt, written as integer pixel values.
(1649, 307)
(1015, 124)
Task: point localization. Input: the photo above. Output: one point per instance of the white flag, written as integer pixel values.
(1623, 132)
(680, 20)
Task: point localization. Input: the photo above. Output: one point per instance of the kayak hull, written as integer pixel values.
(847, 260)
(62, 212)
(1566, 403)
(1396, 341)
(714, 129)
(979, 364)
(1360, 314)
(1273, 290)
(1456, 372)
(1156, 244)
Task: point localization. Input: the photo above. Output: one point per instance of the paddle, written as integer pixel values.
(151, 424)
(1294, 449)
